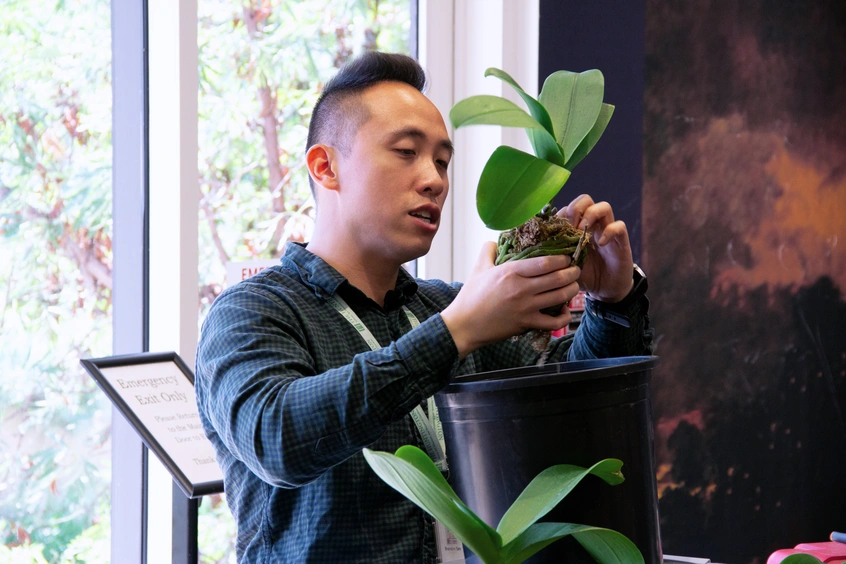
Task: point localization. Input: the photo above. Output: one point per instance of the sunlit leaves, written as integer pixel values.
(55, 300)
(294, 50)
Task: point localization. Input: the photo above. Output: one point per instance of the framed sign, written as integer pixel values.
(155, 392)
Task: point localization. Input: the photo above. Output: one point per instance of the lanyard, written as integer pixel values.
(430, 428)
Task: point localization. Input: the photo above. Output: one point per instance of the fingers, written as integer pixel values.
(539, 266)
(487, 257)
(615, 231)
(583, 212)
(553, 281)
(549, 323)
(540, 275)
(553, 297)
(502, 301)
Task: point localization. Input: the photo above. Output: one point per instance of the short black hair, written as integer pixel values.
(338, 113)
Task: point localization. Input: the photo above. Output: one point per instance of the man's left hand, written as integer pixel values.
(607, 272)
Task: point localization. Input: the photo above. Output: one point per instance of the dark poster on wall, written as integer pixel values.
(744, 238)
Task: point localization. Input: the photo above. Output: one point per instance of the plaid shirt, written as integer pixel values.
(289, 393)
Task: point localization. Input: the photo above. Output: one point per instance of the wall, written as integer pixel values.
(608, 35)
(744, 209)
(742, 163)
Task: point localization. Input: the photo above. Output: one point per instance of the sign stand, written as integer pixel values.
(155, 393)
(185, 532)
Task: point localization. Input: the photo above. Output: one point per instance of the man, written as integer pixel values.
(303, 365)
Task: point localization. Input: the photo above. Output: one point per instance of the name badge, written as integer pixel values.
(450, 548)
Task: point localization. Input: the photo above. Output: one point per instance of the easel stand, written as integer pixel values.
(185, 532)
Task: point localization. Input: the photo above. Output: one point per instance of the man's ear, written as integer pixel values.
(322, 167)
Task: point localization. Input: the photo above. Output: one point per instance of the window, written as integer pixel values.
(261, 70)
(55, 284)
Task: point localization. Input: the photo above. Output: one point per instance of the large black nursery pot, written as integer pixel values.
(502, 428)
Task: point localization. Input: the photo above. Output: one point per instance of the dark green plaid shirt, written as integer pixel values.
(289, 393)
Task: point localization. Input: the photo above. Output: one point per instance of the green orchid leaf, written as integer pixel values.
(608, 547)
(491, 110)
(514, 186)
(547, 490)
(536, 538)
(801, 559)
(545, 146)
(413, 475)
(573, 101)
(592, 137)
(535, 108)
(420, 460)
(543, 141)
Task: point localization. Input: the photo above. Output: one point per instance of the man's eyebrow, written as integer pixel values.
(419, 134)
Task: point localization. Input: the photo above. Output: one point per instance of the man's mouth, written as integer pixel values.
(424, 215)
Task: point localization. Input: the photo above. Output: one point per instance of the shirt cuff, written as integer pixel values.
(605, 338)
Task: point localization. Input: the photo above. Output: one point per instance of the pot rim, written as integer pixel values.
(555, 373)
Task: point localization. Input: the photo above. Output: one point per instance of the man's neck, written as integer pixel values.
(367, 273)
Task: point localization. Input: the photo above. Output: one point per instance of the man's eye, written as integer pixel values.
(443, 164)
(408, 152)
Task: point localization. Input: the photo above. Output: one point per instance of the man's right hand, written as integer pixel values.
(498, 302)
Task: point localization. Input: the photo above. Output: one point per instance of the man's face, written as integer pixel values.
(393, 181)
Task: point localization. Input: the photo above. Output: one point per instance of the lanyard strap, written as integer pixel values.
(430, 428)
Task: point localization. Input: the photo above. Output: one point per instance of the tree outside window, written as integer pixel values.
(55, 280)
(262, 67)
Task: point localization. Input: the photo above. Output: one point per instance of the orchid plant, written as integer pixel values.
(563, 124)
(518, 536)
(514, 194)
(516, 189)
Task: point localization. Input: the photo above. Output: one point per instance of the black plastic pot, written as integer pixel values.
(502, 428)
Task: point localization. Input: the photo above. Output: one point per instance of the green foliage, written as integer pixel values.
(55, 287)
(518, 536)
(262, 70)
(216, 531)
(93, 545)
(563, 125)
(23, 554)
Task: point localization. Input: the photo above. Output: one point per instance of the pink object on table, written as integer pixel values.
(824, 551)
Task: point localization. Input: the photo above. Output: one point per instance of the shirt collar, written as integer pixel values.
(325, 281)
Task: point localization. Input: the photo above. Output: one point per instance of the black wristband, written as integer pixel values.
(616, 312)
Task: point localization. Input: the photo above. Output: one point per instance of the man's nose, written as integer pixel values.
(434, 180)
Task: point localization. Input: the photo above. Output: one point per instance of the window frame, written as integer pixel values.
(452, 44)
(130, 320)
